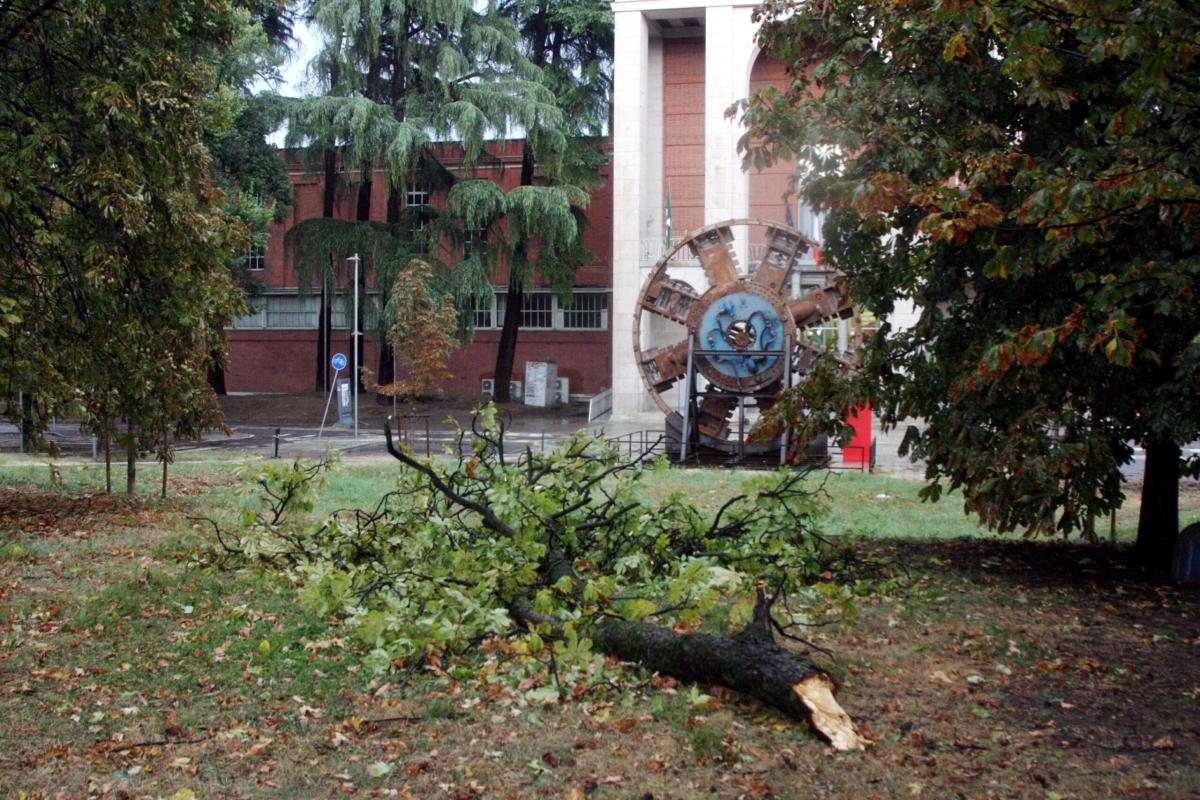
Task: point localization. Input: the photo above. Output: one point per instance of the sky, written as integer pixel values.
(294, 83)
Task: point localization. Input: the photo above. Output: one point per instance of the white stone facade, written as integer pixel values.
(729, 34)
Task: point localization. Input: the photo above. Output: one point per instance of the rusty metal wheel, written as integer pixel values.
(698, 291)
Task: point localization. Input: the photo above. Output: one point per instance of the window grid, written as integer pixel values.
(296, 312)
(417, 195)
(587, 310)
(483, 313)
(541, 311)
(474, 241)
(537, 311)
(256, 258)
(292, 311)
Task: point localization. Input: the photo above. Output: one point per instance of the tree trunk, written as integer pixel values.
(750, 663)
(387, 356)
(386, 372)
(506, 350)
(26, 422)
(1158, 522)
(164, 466)
(362, 214)
(130, 459)
(324, 314)
(107, 460)
(216, 374)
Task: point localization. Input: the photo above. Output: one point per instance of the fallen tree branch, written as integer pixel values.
(107, 747)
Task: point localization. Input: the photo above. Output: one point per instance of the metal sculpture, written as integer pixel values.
(743, 335)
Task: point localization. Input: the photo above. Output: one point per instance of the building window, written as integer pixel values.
(586, 311)
(474, 242)
(537, 311)
(256, 258)
(542, 310)
(292, 311)
(342, 311)
(483, 313)
(256, 318)
(417, 194)
(283, 310)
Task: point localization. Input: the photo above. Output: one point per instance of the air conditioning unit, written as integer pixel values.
(562, 387)
(516, 389)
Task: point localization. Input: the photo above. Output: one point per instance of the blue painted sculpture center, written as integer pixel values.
(741, 324)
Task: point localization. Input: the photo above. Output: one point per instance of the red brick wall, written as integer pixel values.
(683, 132)
(768, 186)
(584, 357)
(285, 361)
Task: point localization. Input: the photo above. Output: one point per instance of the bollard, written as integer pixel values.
(276, 443)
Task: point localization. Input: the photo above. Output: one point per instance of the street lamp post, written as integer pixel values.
(355, 340)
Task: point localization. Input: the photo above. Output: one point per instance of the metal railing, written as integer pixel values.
(851, 458)
(637, 443)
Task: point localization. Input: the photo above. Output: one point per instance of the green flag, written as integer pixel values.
(667, 229)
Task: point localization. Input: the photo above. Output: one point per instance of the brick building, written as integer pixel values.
(274, 348)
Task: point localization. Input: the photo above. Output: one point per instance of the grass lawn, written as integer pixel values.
(1001, 668)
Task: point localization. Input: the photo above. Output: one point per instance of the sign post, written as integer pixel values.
(357, 344)
(338, 362)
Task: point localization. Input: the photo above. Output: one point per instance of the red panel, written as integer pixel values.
(858, 451)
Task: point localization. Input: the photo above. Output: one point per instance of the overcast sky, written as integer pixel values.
(295, 83)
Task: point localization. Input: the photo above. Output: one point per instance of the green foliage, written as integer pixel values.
(1025, 173)
(571, 41)
(461, 552)
(423, 332)
(113, 239)
(819, 404)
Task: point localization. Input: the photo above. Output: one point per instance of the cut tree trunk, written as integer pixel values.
(1158, 520)
(750, 663)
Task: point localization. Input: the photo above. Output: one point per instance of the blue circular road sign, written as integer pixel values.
(338, 361)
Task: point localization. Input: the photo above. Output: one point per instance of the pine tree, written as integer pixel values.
(406, 79)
